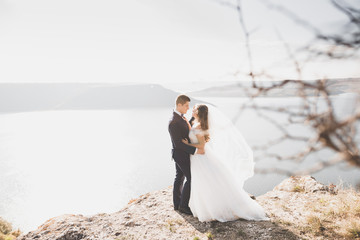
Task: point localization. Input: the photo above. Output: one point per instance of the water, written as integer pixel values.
(87, 162)
(81, 162)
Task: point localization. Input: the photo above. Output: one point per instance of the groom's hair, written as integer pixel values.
(182, 99)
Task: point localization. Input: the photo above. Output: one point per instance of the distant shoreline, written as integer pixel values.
(25, 97)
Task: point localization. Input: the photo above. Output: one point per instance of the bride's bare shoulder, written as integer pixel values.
(196, 125)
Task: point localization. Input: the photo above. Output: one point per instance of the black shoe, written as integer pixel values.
(185, 210)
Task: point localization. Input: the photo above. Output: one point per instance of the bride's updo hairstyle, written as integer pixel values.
(202, 112)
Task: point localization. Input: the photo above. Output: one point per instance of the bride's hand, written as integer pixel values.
(201, 151)
(185, 141)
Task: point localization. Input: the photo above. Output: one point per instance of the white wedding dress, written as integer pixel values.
(217, 177)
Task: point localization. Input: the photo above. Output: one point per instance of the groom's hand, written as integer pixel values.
(200, 151)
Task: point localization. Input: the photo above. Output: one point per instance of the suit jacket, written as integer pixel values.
(179, 129)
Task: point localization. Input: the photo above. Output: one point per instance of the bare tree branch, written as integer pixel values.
(328, 131)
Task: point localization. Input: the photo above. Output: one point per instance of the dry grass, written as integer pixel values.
(6, 231)
(5, 227)
(315, 224)
(330, 214)
(298, 189)
(209, 236)
(339, 214)
(357, 211)
(335, 216)
(354, 230)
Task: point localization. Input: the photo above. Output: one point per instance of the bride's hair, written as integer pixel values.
(202, 112)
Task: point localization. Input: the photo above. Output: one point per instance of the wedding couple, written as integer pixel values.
(215, 160)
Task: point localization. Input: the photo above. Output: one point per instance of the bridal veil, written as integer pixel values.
(229, 146)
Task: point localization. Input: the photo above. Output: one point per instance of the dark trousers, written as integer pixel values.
(181, 192)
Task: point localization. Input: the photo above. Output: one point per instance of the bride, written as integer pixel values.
(218, 175)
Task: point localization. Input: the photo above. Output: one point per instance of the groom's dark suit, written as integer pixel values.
(179, 129)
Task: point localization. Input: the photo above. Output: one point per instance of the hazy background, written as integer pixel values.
(158, 41)
(87, 88)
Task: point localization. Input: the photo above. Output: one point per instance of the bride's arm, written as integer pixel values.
(201, 140)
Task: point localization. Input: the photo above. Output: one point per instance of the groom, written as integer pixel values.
(179, 129)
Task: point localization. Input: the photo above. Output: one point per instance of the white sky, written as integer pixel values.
(155, 41)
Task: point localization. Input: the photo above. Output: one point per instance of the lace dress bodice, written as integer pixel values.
(193, 132)
(192, 135)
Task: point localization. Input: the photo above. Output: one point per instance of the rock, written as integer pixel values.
(71, 234)
(129, 224)
(303, 184)
(151, 216)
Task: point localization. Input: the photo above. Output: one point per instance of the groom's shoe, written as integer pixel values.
(185, 210)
